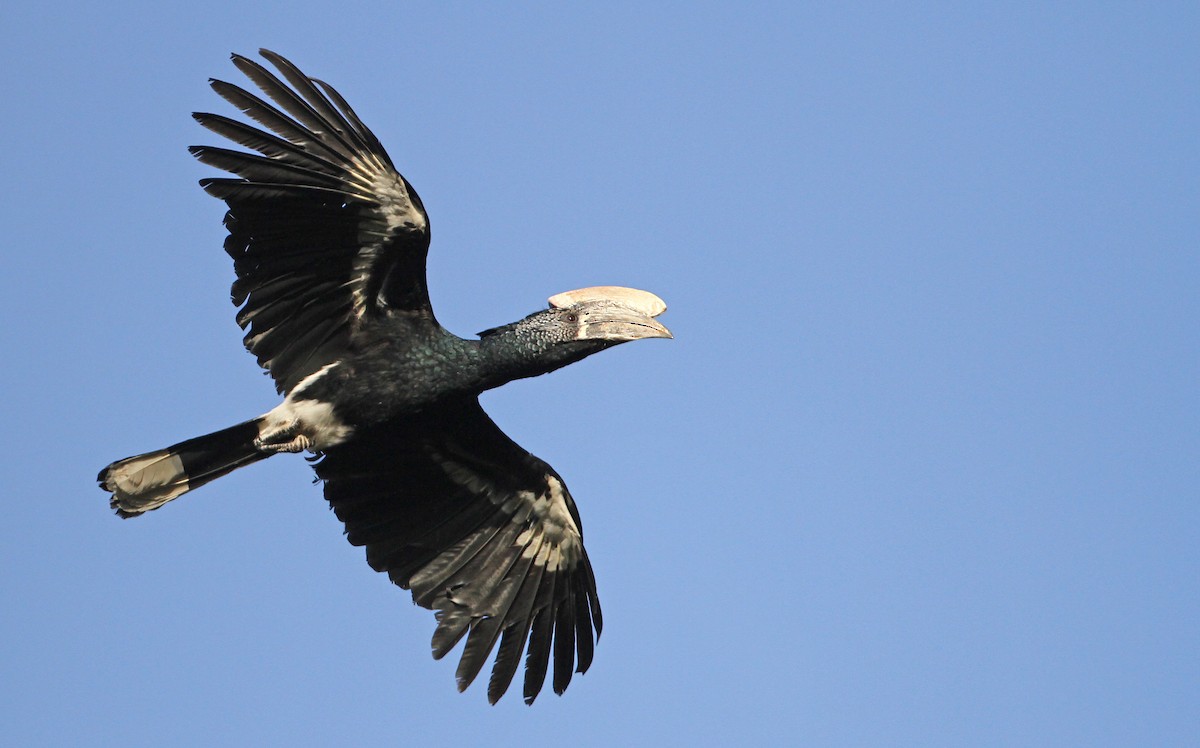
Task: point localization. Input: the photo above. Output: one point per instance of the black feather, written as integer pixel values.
(537, 659)
(564, 643)
(295, 106)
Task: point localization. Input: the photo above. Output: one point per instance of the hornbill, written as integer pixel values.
(329, 244)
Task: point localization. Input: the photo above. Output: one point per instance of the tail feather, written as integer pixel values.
(147, 481)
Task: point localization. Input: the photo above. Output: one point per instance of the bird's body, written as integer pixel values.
(329, 244)
(404, 365)
(399, 366)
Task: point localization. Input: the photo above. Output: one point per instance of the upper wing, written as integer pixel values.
(482, 532)
(323, 231)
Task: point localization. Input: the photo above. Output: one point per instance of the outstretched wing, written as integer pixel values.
(323, 231)
(482, 532)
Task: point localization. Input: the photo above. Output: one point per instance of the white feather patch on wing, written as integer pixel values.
(546, 511)
(380, 185)
(641, 301)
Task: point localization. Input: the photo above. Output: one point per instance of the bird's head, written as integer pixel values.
(609, 314)
(580, 323)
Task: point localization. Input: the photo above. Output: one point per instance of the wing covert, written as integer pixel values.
(323, 231)
(482, 532)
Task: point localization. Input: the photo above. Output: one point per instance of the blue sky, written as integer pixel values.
(920, 467)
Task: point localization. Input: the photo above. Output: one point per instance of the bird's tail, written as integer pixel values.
(144, 482)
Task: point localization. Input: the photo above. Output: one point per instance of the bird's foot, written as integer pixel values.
(297, 444)
(283, 439)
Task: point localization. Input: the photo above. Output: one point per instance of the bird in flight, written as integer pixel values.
(329, 243)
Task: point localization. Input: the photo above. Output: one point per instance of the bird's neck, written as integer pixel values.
(514, 354)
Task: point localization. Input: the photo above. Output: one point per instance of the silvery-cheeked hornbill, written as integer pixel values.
(329, 243)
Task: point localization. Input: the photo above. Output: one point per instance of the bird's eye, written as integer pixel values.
(572, 317)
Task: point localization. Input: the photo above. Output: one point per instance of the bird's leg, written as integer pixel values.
(283, 439)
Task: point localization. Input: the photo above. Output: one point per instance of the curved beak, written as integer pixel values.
(619, 324)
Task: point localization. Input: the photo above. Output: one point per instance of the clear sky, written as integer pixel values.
(921, 467)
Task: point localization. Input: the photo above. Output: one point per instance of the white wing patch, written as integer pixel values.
(396, 204)
(382, 186)
(550, 532)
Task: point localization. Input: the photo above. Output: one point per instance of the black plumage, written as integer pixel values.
(329, 244)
